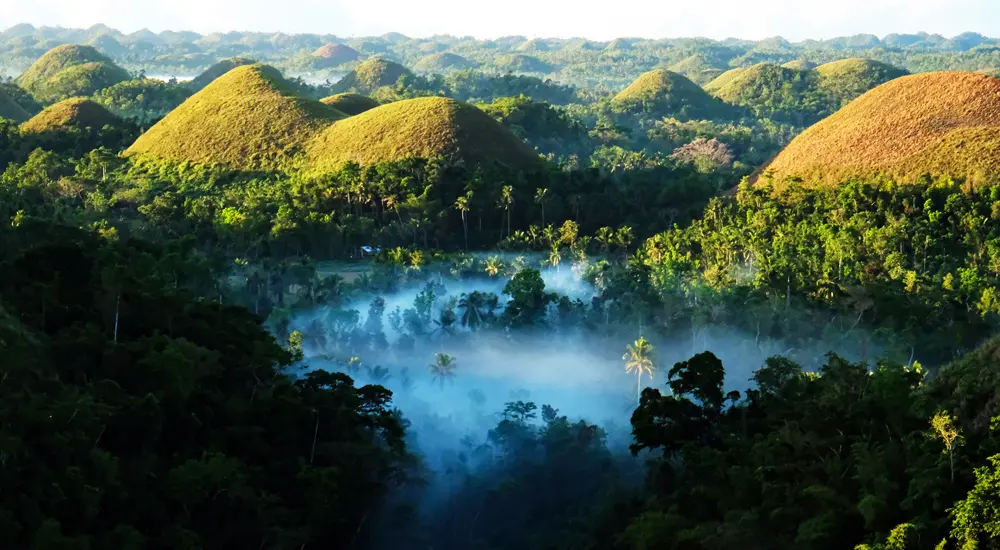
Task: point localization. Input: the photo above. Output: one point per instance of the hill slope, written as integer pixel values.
(217, 70)
(664, 92)
(849, 78)
(772, 91)
(77, 112)
(441, 63)
(350, 104)
(937, 123)
(10, 110)
(332, 55)
(370, 76)
(247, 120)
(70, 70)
(422, 128)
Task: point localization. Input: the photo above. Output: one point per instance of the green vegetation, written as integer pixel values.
(938, 123)
(442, 62)
(371, 75)
(520, 63)
(418, 128)
(10, 110)
(350, 104)
(21, 97)
(849, 78)
(248, 119)
(665, 93)
(70, 71)
(144, 100)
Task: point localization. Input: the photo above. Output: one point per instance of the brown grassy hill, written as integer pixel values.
(77, 112)
(370, 76)
(10, 110)
(933, 123)
(723, 79)
(248, 119)
(217, 70)
(332, 55)
(800, 65)
(849, 78)
(350, 104)
(418, 128)
(70, 70)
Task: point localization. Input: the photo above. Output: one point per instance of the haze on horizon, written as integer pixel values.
(792, 19)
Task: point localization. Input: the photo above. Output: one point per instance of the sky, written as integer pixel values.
(596, 20)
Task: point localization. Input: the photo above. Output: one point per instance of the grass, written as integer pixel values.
(333, 55)
(371, 75)
(10, 110)
(70, 70)
(668, 93)
(522, 64)
(350, 104)
(248, 119)
(217, 70)
(697, 68)
(800, 65)
(418, 128)
(442, 62)
(723, 80)
(930, 123)
(849, 78)
(748, 84)
(76, 112)
(533, 45)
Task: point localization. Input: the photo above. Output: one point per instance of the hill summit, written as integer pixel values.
(665, 92)
(70, 70)
(350, 104)
(332, 55)
(217, 70)
(419, 128)
(930, 123)
(442, 62)
(248, 119)
(371, 75)
(74, 113)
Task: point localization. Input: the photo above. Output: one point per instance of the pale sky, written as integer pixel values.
(598, 20)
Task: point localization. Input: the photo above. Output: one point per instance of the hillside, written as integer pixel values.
(937, 123)
(698, 68)
(666, 93)
(76, 113)
(421, 128)
(248, 119)
(332, 55)
(442, 62)
(217, 70)
(350, 104)
(772, 91)
(723, 79)
(800, 65)
(519, 63)
(70, 70)
(370, 76)
(10, 110)
(849, 78)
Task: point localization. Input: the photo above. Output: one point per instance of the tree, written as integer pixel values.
(541, 197)
(639, 359)
(945, 430)
(528, 299)
(472, 305)
(506, 202)
(462, 205)
(443, 368)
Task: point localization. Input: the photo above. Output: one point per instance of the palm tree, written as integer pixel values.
(493, 266)
(541, 197)
(443, 368)
(638, 359)
(462, 205)
(471, 306)
(506, 201)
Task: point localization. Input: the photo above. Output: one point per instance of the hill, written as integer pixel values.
(217, 70)
(723, 79)
(934, 123)
(664, 93)
(519, 63)
(442, 62)
(849, 78)
(20, 96)
(332, 55)
(418, 128)
(696, 67)
(10, 110)
(800, 65)
(248, 119)
(70, 70)
(76, 113)
(350, 104)
(772, 91)
(370, 76)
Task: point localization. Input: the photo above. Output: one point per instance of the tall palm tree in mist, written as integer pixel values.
(472, 305)
(639, 359)
(443, 368)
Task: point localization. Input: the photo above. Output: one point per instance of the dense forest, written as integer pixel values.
(446, 293)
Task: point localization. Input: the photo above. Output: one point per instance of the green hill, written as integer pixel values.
(443, 62)
(696, 67)
(10, 110)
(78, 113)
(217, 70)
(533, 45)
(519, 63)
(371, 75)
(20, 96)
(800, 65)
(350, 104)
(849, 78)
(666, 93)
(772, 91)
(248, 119)
(723, 79)
(68, 71)
(333, 55)
(929, 123)
(418, 128)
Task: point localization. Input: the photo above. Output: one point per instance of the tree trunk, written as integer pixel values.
(638, 387)
(118, 300)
